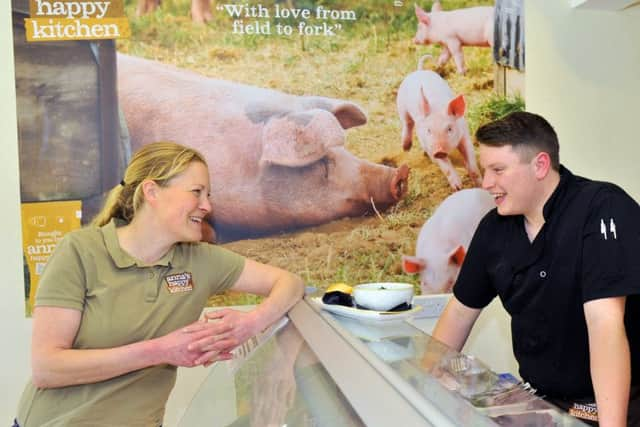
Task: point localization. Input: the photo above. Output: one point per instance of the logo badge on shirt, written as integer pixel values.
(180, 282)
(585, 411)
(612, 229)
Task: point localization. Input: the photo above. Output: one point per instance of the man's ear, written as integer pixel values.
(542, 164)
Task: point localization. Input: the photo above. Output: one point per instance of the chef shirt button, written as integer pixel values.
(150, 275)
(543, 274)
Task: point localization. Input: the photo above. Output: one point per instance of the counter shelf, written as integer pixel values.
(435, 378)
(277, 380)
(322, 369)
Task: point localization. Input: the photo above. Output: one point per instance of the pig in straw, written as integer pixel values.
(277, 161)
(453, 29)
(444, 239)
(426, 103)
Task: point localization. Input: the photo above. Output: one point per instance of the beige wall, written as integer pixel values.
(583, 75)
(15, 331)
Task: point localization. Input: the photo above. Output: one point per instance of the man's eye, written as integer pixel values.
(197, 192)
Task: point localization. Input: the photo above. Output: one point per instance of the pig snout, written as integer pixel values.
(440, 148)
(440, 154)
(386, 185)
(400, 182)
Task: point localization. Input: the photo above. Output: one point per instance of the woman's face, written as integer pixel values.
(184, 202)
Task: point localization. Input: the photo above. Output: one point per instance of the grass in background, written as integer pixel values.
(493, 108)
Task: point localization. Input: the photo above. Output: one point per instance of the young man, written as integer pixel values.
(561, 253)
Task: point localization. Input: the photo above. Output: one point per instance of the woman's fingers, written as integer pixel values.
(209, 358)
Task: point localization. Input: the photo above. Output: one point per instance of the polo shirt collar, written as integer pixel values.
(555, 200)
(121, 258)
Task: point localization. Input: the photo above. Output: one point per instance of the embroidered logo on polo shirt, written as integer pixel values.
(612, 229)
(181, 282)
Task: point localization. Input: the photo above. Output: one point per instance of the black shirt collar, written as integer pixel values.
(554, 201)
(524, 253)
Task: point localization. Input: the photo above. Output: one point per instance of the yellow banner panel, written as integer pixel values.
(43, 226)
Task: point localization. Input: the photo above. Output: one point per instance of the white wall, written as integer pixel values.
(583, 75)
(15, 331)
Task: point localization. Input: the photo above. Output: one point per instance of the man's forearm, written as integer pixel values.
(455, 324)
(611, 374)
(610, 359)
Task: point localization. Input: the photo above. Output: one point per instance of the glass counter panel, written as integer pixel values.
(461, 386)
(276, 380)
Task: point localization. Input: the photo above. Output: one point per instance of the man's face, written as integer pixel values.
(510, 178)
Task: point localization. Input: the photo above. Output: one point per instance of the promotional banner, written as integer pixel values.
(334, 130)
(43, 226)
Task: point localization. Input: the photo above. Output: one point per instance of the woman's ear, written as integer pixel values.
(150, 190)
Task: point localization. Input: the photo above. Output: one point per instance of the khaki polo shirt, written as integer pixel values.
(122, 301)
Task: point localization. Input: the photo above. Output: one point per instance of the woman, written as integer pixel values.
(117, 306)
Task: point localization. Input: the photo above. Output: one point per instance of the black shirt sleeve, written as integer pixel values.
(611, 246)
(473, 287)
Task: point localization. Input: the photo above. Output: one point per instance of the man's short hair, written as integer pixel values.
(527, 133)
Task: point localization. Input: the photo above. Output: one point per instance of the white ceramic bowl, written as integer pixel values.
(382, 296)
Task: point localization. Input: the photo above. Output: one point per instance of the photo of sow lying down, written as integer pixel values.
(277, 161)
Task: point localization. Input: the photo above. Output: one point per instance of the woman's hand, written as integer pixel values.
(221, 331)
(228, 328)
(180, 348)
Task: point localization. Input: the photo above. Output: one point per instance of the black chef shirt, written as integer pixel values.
(588, 248)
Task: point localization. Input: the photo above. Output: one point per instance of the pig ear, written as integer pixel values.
(457, 256)
(412, 264)
(457, 106)
(348, 113)
(424, 103)
(299, 139)
(436, 6)
(422, 15)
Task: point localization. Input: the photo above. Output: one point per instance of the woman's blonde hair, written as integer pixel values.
(159, 162)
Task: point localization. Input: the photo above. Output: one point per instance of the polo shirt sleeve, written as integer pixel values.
(63, 282)
(473, 287)
(611, 244)
(226, 267)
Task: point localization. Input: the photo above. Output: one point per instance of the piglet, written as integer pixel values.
(426, 102)
(444, 239)
(453, 29)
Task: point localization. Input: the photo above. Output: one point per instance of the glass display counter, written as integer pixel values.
(276, 380)
(324, 369)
